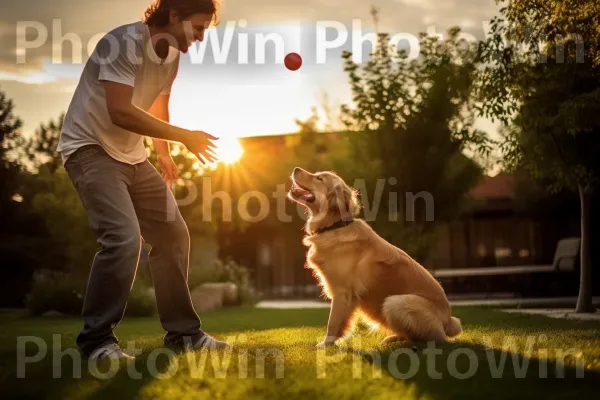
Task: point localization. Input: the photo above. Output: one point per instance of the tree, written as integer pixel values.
(542, 76)
(20, 229)
(11, 143)
(319, 149)
(414, 121)
(71, 243)
(41, 147)
(10, 127)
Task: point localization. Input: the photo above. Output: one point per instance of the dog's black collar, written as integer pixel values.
(336, 225)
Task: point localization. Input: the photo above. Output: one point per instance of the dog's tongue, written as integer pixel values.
(305, 194)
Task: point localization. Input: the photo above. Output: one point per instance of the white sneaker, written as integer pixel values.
(208, 342)
(110, 351)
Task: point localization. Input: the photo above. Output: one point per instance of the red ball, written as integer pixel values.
(293, 61)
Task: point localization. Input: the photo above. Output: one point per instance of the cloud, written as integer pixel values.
(84, 19)
(39, 102)
(36, 77)
(42, 90)
(424, 4)
(91, 17)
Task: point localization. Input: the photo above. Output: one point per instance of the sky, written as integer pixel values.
(216, 93)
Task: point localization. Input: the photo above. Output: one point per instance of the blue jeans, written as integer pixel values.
(125, 203)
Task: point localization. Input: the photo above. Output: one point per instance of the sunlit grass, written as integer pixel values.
(274, 356)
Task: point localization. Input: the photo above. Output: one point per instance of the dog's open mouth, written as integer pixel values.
(301, 193)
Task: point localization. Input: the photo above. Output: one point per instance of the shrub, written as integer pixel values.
(141, 302)
(58, 291)
(218, 272)
(247, 296)
(228, 271)
(55, 291)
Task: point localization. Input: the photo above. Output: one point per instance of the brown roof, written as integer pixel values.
(497, 187)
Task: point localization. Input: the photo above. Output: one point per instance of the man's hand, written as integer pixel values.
(200, 144)
(169, 169)
(131, 118)
(153, 123)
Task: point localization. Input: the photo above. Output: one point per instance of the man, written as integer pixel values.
(122, 96)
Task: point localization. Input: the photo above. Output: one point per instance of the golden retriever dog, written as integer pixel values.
(362, 273)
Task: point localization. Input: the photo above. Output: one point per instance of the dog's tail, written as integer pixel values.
(454, 327)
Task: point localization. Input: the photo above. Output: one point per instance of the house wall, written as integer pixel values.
(276, 257)
(498, 240)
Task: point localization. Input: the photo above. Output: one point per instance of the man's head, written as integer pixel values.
(184, 20)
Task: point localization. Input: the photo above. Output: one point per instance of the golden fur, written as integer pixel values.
(360, 271)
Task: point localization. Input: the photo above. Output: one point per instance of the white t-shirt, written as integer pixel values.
(124, 55)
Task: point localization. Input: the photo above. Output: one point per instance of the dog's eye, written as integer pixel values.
(319, 178)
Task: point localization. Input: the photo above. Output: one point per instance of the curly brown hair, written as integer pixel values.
(157, 13)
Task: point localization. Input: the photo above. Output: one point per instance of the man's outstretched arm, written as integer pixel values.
(129, 117)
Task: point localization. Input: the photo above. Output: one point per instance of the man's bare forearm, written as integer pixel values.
(138, 121)
(160, 109)
(161, 147)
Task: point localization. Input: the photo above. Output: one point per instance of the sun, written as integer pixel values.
(229, 150)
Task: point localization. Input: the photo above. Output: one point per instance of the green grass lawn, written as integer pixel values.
(274, 357)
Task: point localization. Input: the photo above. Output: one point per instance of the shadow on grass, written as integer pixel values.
(493, 318)
(518, 377)
(260, 319)
(101, 380)
(461, 370)
(40, 381)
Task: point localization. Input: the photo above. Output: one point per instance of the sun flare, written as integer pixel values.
(229, 150)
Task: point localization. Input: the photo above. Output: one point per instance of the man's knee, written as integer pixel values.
(172, 235)
(180, 233)
(127, 241)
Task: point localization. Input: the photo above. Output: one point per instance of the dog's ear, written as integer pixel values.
(340, 198)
